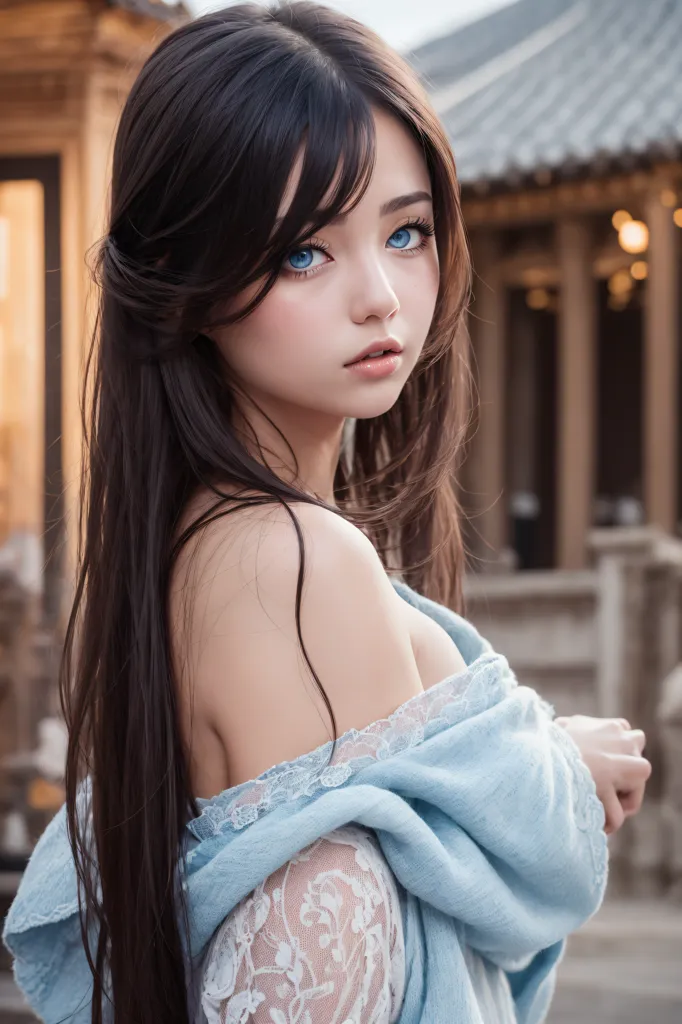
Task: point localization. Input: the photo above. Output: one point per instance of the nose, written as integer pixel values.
(373, 294)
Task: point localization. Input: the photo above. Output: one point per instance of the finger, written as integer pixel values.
(632, 802)
(624, 722)
(615, 815)
(637, 738)
(628, 771)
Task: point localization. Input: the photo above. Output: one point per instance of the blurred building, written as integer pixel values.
(65, 67)
(566, 121)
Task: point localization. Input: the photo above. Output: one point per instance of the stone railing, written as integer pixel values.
(545, 623)
(603, 641)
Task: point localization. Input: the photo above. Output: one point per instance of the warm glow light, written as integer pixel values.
(677, 217)
(620, 283)
(618, 302)
(537, 298)
(640, 270)
(44, 795)
(619, 218)
(4, 257)
(633, 236)
(535, 277)
(668, 198)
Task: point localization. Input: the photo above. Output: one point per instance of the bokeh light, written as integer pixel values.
(633, 236)
(620, 283)
(537, 298)
(619, 218)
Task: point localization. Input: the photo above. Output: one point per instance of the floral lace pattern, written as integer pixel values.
(450, 701)
(320, 941)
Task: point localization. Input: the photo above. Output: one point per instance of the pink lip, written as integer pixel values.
(376, 368)
(384, 345)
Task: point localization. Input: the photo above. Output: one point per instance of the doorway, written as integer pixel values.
(531, 433)
(31, 488)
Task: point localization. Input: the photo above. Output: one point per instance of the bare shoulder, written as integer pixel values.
(250, 678)
(264, 545)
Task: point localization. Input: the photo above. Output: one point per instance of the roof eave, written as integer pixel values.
(601, 165)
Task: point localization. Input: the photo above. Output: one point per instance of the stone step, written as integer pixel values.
(582, 1006)
(639, 975)
(631, 928)
(623, 967)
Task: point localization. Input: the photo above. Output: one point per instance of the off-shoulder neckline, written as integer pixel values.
(425, 713)
(202, 801)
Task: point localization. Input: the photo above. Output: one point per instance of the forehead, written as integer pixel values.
(400, 165)
(399, 168)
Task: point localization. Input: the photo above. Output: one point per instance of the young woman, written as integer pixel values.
(278, 395)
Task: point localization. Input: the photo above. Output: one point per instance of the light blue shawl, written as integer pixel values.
(482, 807)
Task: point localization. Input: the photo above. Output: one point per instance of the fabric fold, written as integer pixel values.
(481, 805)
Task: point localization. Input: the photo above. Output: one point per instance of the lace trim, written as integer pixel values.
(450, 701)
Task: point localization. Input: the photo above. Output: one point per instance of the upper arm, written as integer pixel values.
(250, 677)
(318, 938)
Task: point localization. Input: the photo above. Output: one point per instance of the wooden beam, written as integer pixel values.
(576, 392)
(661, 368)
(566, 199)
(38, 36)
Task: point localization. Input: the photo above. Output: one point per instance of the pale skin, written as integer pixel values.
(372, 276)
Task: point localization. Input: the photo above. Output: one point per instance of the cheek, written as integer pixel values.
(289, 315)
(421, 282)
(280, 335)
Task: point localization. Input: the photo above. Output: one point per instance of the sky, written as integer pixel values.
(403, 23)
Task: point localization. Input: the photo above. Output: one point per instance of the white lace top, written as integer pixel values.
(320, 941)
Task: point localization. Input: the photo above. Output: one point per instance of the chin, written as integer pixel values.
(377, 402)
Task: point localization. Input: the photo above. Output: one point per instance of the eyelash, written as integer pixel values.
(421, 223)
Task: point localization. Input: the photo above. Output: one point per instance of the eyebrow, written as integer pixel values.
(393, 205)
(390, 206)
(400, 202)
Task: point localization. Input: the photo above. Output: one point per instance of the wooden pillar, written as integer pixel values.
(660, 369)
(576, 393)
(487, 475)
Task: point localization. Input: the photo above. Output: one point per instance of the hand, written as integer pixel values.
(613, 753)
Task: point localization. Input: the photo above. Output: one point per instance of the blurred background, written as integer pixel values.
(566, 121)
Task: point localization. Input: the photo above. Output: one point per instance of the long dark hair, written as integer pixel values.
(206, 144)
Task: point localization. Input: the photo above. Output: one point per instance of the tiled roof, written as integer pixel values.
(564, 85)
(157, 9)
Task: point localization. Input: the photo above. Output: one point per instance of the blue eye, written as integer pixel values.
(300, 260)
(408, 237)
(400, 239)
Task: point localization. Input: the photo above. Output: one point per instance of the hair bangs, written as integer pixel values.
(338, 161)
(338, 146)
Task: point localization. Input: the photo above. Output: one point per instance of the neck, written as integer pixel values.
(302, 446)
